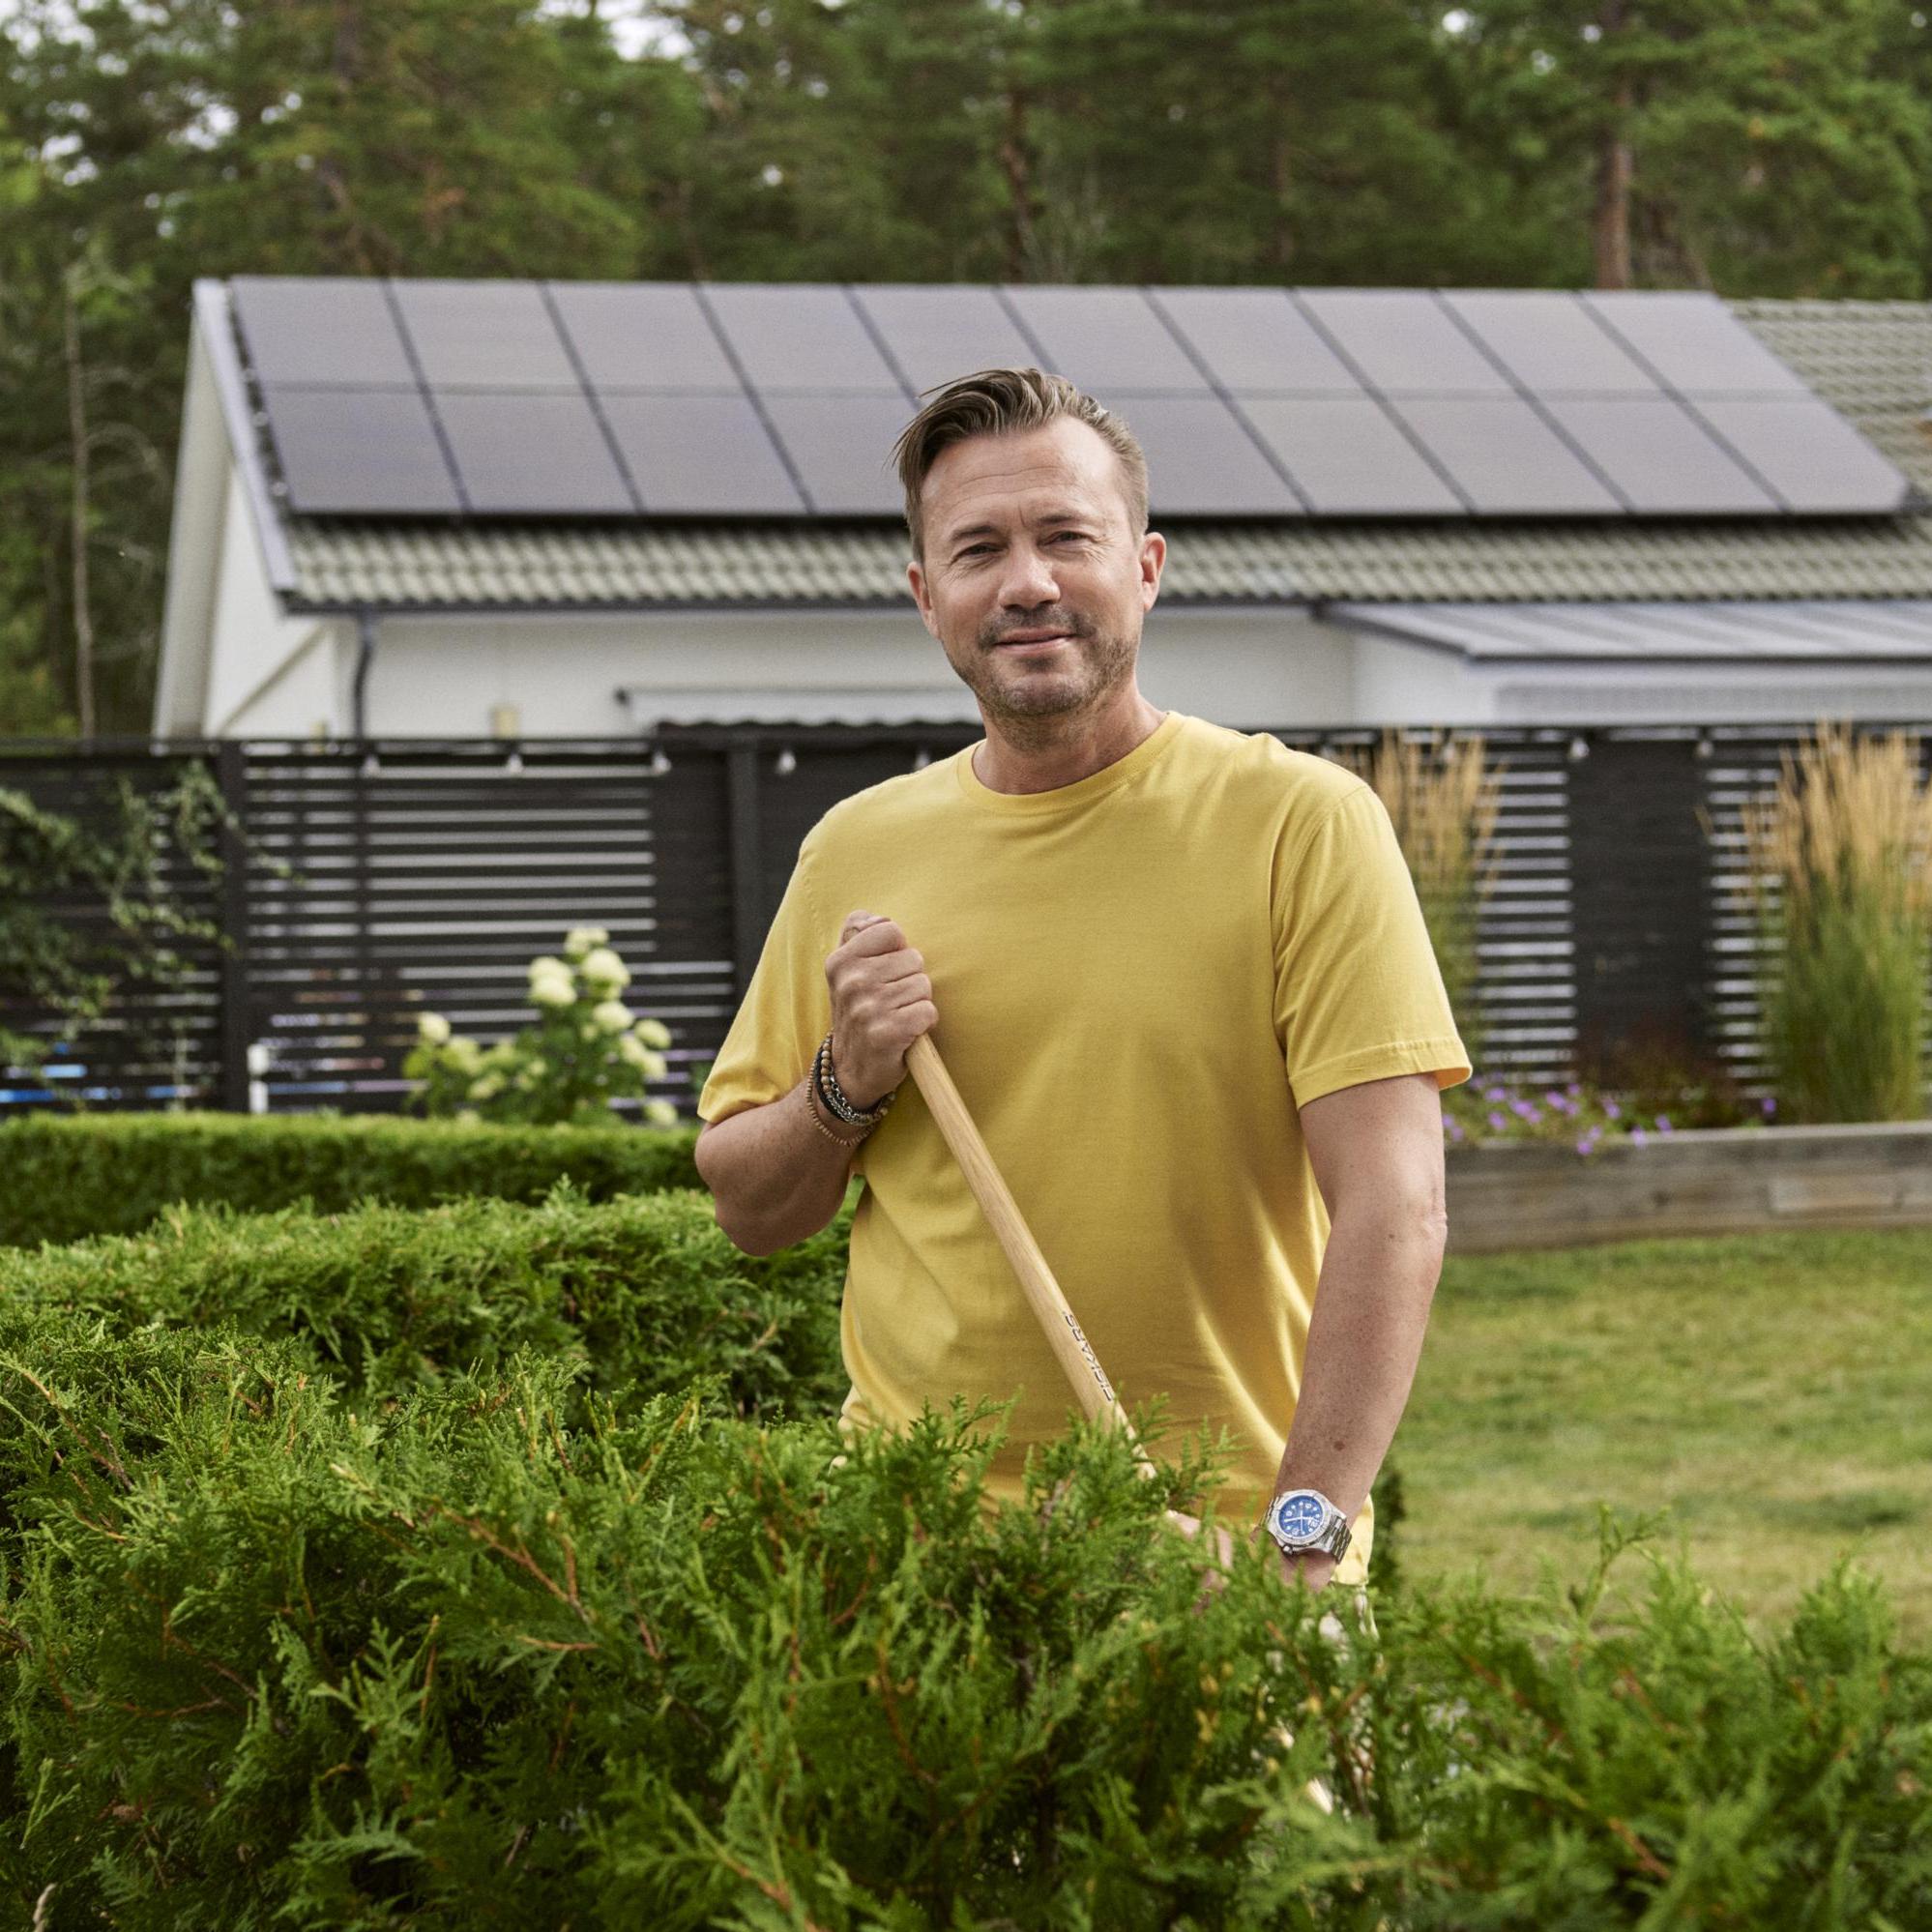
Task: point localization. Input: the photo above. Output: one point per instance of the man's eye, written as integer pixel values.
(1068, 537)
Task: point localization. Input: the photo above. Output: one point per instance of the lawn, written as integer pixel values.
(1773, 1393)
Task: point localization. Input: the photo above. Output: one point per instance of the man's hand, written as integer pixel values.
(881, 1002)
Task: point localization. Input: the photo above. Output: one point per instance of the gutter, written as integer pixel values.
(365, 643)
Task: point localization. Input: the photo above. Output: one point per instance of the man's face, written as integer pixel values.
(1034, 580)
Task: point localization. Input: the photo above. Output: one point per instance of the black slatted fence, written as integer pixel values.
(378, 881)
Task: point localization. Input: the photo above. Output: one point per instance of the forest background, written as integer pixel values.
(1756, 147)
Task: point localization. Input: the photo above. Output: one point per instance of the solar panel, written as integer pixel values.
(484, 333)
(841, 447)
(1812, 457)
(938, 332)
(1255, 340)
(1550, 342)
(700, 456)
(1347, 457)
(1106, 339)
(800, 336)
(1201, 461)
(643, 335)
(1506, 459)
(320, 328)
(1694, 343)
(373, 451)
(1659, 460)
(531, 452)
(1403, 340)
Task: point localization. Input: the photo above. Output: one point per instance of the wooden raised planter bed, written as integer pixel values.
(1700, 1182)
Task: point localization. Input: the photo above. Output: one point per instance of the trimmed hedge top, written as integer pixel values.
(63, 1179)
(644, 1294)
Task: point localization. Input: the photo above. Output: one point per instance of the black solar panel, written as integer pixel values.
(1550, 342)
(1662, 461)
(1812, 458)
(1257, 341)
(1695, 345)
(937, 333)
(491, 335)
(643, 335)
(1356, 403)
(367, 452)
(1106, 339)
(320, 328)
(1201, 461)
(700, 456)
(841, 446)
(1506, 459)
(1347, 457)
(800, 336)
(1404, 341)
(529, 453)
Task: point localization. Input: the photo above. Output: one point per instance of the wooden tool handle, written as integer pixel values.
(1062, 1332)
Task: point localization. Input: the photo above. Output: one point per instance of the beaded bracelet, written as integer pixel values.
(834, 1096)
(837, 1140)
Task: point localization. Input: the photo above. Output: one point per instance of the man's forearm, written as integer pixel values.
(775, 1178)
(1372, 1311)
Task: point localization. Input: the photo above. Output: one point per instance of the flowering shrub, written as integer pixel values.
(587, 1050)
(1487, 1107)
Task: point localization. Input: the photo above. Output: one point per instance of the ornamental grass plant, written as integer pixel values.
(1443, 801)
(1840, 858)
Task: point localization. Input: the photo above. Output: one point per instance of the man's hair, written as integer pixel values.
(997, 402)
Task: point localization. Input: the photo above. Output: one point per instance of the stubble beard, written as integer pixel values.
(1031, 708)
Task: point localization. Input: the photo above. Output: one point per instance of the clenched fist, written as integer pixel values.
(881, 1002)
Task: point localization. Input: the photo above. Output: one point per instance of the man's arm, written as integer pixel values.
(775, 1177)
(1377, 1152)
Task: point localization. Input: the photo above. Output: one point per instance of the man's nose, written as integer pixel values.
(1029, 579)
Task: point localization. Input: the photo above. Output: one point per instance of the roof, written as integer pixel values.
(1859, 630)
(1871, 360)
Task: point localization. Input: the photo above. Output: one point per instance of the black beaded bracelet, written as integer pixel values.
(834, 1096)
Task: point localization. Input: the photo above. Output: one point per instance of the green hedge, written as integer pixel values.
(645, 1293)
(78, 1175)
(279, 1664)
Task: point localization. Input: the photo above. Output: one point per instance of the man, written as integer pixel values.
(1180, 978)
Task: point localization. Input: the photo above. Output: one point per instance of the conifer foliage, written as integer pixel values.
(284, 1658)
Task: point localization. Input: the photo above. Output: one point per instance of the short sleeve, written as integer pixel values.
(786, 1009)
(1358, 993)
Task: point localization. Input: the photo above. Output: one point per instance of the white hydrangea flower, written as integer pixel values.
(612, 1015)
(548, 963)
(580, 939)
(485, 1089)
(432, 1029)
(660, 1113)
(466, 1054)
(552, 990)
(651, 1065)
(603, 971)
(653, 1033)
(468, 1114)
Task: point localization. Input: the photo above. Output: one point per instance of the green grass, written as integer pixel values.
(1771, 1393)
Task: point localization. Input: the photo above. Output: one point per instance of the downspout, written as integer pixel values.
(366, 636)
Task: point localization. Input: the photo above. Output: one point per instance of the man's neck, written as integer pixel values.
(1079, 748)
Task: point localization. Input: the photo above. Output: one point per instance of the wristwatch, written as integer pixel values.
(1305, 1519)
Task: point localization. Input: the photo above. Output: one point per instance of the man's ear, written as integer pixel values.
(921, 595)
(1153, 558)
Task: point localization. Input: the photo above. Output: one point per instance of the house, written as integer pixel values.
(421, 509)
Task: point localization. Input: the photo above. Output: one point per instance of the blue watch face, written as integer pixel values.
(1299, 1516)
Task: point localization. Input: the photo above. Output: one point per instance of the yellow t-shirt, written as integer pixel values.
(1140, 977)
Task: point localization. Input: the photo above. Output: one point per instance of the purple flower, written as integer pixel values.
(1663, 1122)
(1638, 1135)
(1494, 1093)
(1496, 1121)
(1454, 1128)
(1770, 1106)
(1613, 1110)
(1573, 1090)
(1525, 1110)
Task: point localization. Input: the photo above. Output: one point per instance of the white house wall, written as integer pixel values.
(446, 676)
(264, 666)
